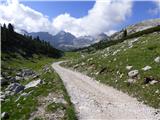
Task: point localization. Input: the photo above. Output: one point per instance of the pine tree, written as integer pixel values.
(10, 27)
(125, 33)
(4, 26)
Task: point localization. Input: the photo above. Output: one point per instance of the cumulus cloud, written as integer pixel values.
(24, 17)
(101, 18)
(110, 32)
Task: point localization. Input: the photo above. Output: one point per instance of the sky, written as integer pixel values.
(80, 18)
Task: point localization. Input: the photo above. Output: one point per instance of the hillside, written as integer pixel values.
(132, 66)
(132, 31)
(25, 45)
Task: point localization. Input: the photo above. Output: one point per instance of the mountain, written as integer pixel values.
(42, 35)
(136, 28)
(66, 41)
(132, 31)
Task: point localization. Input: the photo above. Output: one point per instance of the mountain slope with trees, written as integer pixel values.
(25, 45)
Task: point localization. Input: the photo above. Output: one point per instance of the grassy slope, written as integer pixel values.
(52, 84)
(143, 53)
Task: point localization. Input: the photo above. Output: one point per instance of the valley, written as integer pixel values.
(109, 79)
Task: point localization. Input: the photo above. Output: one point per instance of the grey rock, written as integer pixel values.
(131, 81)
(18, 88)
(129, 67)
(157, 59)
(153, 82)
(15, 87)
(12, 79)
(33, 83)
(25, 72)
(133, 73)
(18, 78)
(146, 68)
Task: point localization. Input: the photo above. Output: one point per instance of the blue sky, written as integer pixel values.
(140, 10)
(54, 8)
(77, 17)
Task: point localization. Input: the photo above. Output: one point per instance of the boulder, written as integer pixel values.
(133, 73)
(15, 87)
(33, 83)
(157, 59)
(146, 68)
(129, 67)
(25, 72)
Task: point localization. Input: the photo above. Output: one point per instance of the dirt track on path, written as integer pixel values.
(93, 100)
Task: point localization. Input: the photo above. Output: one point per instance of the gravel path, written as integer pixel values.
(94, 100)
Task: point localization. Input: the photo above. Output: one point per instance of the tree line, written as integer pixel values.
(25, 45)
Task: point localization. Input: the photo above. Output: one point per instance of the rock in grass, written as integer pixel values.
(15, 87)
(131, 81)
(4, 115)
(133, 73)
(146, 68)
(33, 83)
(18, 78)
(129, 67)
(147, 80)
(157, 59)
(157, 91)
(153, 82)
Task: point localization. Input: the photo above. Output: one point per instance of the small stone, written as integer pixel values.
(5, 115)
(146, 68)
(18, 78)
(133, 73)
(157, 91)
(131, 80)
(157, 59)
(153, 82)
(121, 75)
(129, 67)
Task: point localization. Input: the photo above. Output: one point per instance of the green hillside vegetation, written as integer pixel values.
(20, 52)
(106, 43)
(109, 67)
(25, 45)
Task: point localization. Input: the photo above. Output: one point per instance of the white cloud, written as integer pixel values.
(24, 17)
(110, 32)
(101, 18)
